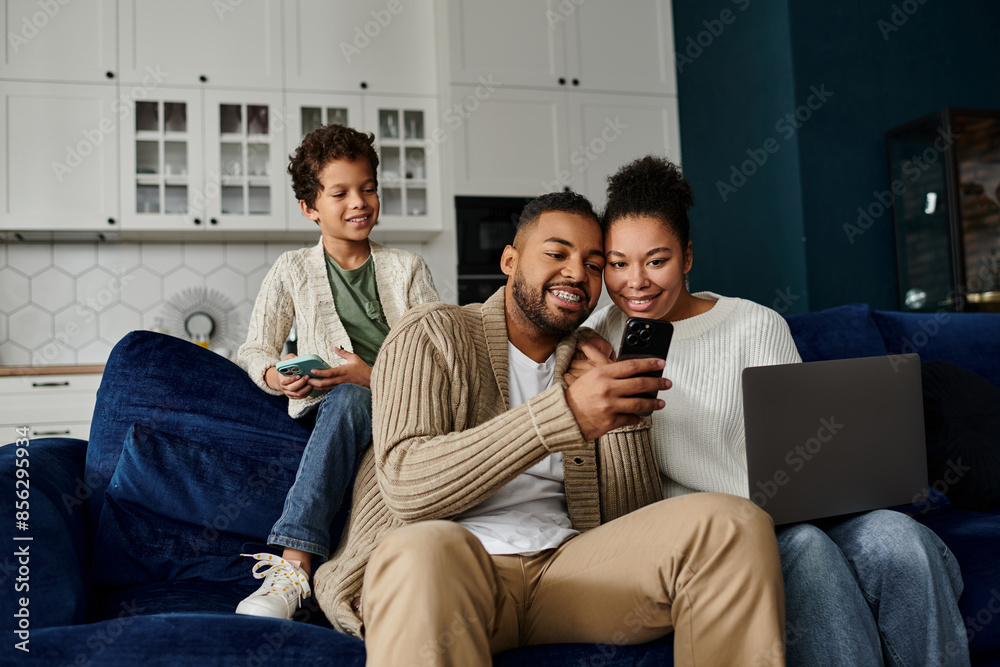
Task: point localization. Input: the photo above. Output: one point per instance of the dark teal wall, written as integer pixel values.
(861, 78)
(732, 93)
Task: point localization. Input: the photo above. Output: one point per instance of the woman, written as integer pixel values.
(873, 589)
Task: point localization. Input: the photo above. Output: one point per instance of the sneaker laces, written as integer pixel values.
(281, 573)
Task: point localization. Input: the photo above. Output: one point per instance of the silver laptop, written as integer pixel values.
(827, 438)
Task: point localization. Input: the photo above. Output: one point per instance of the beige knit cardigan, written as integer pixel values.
(444, 440)
(298, 286)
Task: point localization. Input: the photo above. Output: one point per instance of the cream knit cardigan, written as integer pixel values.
(298, 286)
(444, 440)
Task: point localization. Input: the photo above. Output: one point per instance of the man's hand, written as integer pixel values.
(292, 386)
(591, 351)
(603, 398)
(355, 371)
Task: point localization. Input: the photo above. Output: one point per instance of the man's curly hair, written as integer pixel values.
(321, 147)
(654, 187)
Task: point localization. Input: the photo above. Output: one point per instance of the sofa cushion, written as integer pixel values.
(844, 332)
(962, 420)
(181, 509)
(176, 386)
(969, 340)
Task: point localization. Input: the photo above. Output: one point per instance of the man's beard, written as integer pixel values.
(531, 302)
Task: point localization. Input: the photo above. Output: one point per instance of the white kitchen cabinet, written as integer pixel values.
(191, 42)
(60, 148)
(507, 141)
(598, 45)
(49, 405)
(409, 144)
(208, 160)
(56, 40)
(381, 46)
(519, 142)
(609, 131)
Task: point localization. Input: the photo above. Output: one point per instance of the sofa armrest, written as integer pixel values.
(45, 563)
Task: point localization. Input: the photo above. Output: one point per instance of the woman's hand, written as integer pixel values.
(591, 351)
(355, 371)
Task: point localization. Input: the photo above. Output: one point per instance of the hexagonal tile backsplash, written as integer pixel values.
(69, 303)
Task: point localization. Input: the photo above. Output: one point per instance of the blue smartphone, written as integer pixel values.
(302, 365)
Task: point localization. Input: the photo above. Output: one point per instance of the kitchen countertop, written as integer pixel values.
(9, 371)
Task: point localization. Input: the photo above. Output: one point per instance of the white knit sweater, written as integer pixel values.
(298, 286)
(698, 438)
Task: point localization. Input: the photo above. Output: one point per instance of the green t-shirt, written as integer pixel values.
(356, 298)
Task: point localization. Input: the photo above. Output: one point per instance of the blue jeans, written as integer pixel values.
(874, 589)
(342, 432)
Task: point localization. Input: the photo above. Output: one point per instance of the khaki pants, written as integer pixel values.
(704, 566)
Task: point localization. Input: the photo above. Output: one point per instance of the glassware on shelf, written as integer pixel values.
(175, 117)
(147, 157)
(416, 201)
(391, 167)
(258, 159)
(257, 119)
(232, 159)
(312, 119)
(416, 163)
(175, 158)
(388, 120)
(147, 198)
(336, 116)
(413, 121)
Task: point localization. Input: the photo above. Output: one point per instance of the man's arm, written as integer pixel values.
(430, 462)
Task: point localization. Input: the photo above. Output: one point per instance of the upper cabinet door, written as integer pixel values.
(60, 148)
(59, 41)
(619, 46)
(510, 43)
(190, 42)
(374, 45)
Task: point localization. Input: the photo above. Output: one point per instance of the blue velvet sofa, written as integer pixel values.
(129, 550)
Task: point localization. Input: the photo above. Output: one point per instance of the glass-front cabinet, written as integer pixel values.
(199, 160)
(409, 173)
(944, 173)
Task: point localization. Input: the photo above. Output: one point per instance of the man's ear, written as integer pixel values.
(688, 258)
(508, 261)
(308, 211)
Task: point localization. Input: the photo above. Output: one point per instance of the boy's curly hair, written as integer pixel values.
(654, 187)
(322, 146)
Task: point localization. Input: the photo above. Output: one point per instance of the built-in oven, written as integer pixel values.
(485, 227)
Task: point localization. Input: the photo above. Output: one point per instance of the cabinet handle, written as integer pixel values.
(576, 82)
(111, 221)
(43, 434)
(50, 384)
(109, 74)
(562, 81)
(203, 78)
(364, 84)
(566, 188)
(213, 221)
(197, 221)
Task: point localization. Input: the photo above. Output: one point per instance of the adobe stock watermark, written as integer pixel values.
(121, 107)
(912, 170)
(695, 45)
(952, 476)
(786, 127)
(588, 153)
(898, 17)
(30, 27)
(796, 458)
(371, 30)
(223, 7)
(563, 11)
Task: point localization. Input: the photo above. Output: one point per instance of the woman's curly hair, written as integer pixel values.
(319, 148)
(654, 187)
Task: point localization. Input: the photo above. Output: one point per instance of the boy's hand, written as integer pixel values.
(603, 398)
(355, 371)
(294, 386)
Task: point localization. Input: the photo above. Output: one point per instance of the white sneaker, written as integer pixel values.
(285, 586)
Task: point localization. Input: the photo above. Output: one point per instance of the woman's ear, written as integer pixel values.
(688, 258)
(508, 261)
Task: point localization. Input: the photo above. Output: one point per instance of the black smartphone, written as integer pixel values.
(644, 338)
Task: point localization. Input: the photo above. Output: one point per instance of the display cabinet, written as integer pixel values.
(944, 189)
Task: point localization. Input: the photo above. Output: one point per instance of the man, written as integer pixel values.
(486, 516)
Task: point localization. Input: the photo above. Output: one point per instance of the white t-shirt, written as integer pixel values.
(529, 513)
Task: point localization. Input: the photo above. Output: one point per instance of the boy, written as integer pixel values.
(344, 293)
